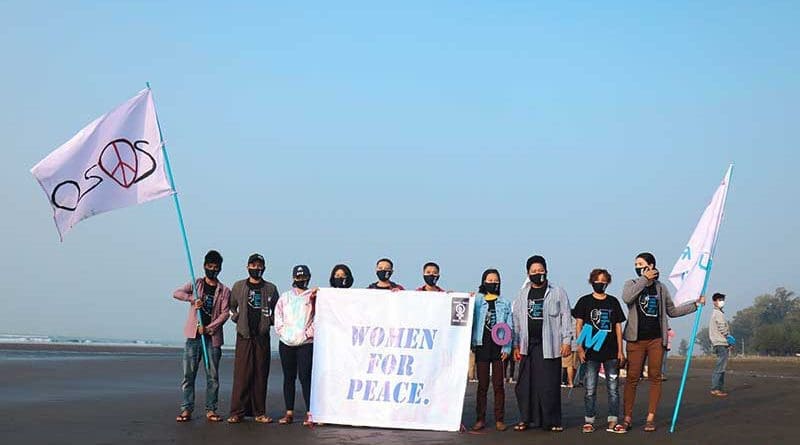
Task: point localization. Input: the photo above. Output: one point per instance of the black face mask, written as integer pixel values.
(599, 288)
(339, 282)
(538, 278)
(431, 280)
(492, 288)
(211, 274)
(255, 273)
(639, 271)
(383, 275)
(301, 284)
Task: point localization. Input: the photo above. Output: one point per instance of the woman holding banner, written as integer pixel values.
(294, 324)
(543, 333)
(649, 303)
(491, 348)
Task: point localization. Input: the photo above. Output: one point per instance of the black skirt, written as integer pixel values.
(539, 389)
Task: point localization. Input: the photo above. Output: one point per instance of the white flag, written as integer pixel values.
(114, 162)
(689, 273)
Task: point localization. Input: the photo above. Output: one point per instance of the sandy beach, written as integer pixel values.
(56, 394)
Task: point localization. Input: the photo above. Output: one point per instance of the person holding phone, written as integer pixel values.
(649, 304)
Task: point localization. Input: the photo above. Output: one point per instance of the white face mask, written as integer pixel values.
(721, 304)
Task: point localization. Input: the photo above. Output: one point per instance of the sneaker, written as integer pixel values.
(718, 393)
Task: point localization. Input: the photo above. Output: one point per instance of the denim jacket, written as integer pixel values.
(503, 312)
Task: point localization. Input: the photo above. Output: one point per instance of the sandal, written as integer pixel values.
(263, 419)
(650, 426)
(235, 419)
(211, 416)
(619, 429)
(286, 420)
(587, 428)
(522, 426)
(558, 429)
(308, 421)
(479, 425)
(184, 417)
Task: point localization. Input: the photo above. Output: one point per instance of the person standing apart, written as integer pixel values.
(720, 335)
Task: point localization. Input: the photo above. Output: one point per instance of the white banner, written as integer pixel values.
(391, 359)
(689, 273)
(115, 161)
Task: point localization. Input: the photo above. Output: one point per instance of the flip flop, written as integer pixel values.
(184, 417)
(263, 419)
(211, 416)
(522, 426)
(234, 419)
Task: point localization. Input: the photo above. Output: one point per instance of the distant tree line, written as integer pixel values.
(771, 326)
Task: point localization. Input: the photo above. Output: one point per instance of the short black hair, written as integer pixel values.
(387, 260)
(431, 263)
(348, 281)
(648, 257)
(482, 288)
(535, 259)
(213, 257)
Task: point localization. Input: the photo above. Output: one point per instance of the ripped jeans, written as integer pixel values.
(611, 368)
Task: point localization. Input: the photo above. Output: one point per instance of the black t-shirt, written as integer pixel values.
(254, 304)
(208, 303)
(535, 314)
(489, 351)
(601, 315)
(648, 306)
(392, 285)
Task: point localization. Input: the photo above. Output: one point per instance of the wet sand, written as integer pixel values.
(119, 395)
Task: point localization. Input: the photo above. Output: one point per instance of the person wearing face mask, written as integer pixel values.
(603, 315)
(383, 269)
(252, 307)
(430, 274)
(213, 307)
(649, 304)
(490, 310)
(720, 335)
(341, 277)
(543, 333)
(294, 324)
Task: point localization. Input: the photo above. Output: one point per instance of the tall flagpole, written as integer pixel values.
(183, 231)
(700, 310)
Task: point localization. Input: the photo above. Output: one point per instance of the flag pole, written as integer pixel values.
(183, 231)
(699, 311)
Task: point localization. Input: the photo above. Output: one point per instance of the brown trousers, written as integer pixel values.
(483, 386)
(638, 352)
(250, 373)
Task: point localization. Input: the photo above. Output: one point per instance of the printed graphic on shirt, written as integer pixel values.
(266, 310)
(254, 298)
(208, 304)
(536, 309)
(648, 304)
(601, 319)
(491, 318)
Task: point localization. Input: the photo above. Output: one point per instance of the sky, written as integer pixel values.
(473, 134)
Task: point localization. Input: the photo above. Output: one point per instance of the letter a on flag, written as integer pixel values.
(689, 273)
(114, 162)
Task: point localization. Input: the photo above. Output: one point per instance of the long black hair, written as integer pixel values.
(348, 280)
(482, 288)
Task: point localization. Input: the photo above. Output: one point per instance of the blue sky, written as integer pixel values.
(473, 134)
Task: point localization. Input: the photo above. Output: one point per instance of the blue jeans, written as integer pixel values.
(611, 368)
(192, 358)
(718, 376)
